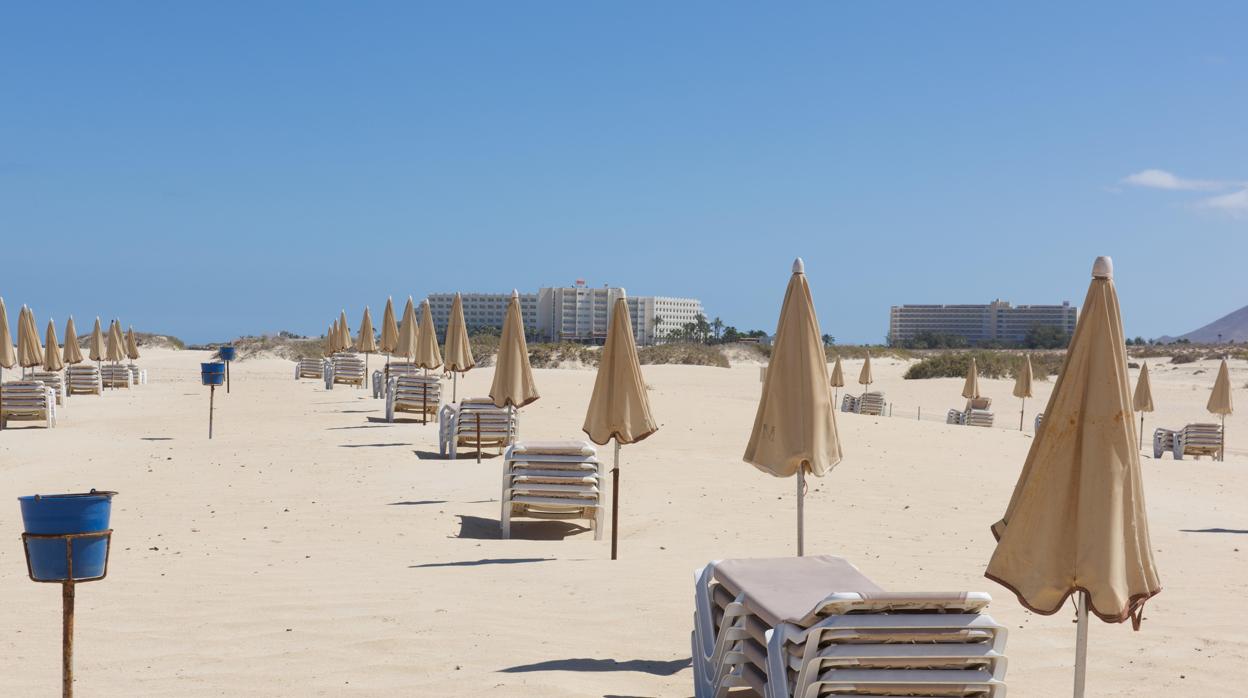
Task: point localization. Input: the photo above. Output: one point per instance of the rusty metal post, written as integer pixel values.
(212, 393)
(227, 377)
(67, 639)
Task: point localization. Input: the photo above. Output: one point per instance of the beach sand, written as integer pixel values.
(313, 549)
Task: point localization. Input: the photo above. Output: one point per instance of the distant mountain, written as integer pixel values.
(1232, 328)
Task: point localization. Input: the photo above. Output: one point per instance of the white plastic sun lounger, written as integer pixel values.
(27, 401)
(116, 376)
(1198, 440)
(871, 403)
(419, 394)
(138, 376)
(53, 380)
(310, 368)
(976, 413)
(84, 379)
(552, 480)
(1163, 442)
(347, 369)
(816, 626)
(849, 403)
(1039, 421)
(475, 423)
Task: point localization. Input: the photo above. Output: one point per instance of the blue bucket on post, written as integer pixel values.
(67, 515)
(213, 373)
(227, 353)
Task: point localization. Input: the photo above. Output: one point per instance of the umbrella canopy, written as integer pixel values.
(73, 352)
(95, 347)
(458, 348)
(1077, 520)
(795, 426)
(8, 357)
(1022, 382)
(331, 338)
(51, 356)
(344, 333)
(116, 343)
(1220, 399)
(838, 376)
(405, 347)
(29, 352)
(389, 329)
(428, 355)
(970, 389)
(513, 376)
(619, 407)
(132, 345)
(366, 341)
(1143, 400)
(865, 377)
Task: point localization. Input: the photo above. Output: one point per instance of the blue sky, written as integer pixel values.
(214, 169)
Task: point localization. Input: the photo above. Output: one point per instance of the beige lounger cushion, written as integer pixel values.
(786, 590)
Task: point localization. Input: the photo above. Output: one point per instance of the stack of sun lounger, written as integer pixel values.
(475, 423)
(83, 379)
(345, 368)
(53, 380)
(976, 413)
(310, 368)
(1192, 440)
(1039, 421)
(871, 403)
(553, 480)
(816, 626)
(27, 400)
(116, 376)
(849, 403)
(138, 375)
(419, 394)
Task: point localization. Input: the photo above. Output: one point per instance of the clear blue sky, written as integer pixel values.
(212, 169)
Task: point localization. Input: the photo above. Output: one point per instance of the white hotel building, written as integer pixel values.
(571, 313)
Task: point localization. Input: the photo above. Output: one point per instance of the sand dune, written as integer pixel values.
(312, 549)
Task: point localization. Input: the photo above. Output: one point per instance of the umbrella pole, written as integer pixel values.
(615, 501)
(1141, 446)
(454, 386)
(1081, 642)
(801, 509)
(1222, 451)
(366, 380)
(1021, 411)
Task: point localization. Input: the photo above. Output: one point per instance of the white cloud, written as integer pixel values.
(1160, 179)
(1234, 204)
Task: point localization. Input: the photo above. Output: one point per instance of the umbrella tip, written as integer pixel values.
(515, 293)
(799, 267)
(1103, 268)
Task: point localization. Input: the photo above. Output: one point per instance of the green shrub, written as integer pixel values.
(686, 354)
(990, 364)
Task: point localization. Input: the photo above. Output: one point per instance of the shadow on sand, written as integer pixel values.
(1213, 530)
(484, 561)
(416, 503)
(645, 666)
(478, 528)
(372, 445)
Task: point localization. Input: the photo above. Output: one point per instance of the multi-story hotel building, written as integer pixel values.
(576, 313)
(997, 321)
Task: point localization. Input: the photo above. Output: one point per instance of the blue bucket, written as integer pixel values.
(227, 353)
(61, 514)
(212, 374)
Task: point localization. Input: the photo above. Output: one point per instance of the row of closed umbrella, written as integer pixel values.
(1076, 524)
(30, 353)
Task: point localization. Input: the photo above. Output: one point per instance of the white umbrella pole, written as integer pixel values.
(1081, 642)
(801, 509)
(615, 502)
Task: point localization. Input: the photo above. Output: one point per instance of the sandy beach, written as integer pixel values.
(313, 549)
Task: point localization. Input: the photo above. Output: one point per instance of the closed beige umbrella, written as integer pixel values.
(8, 355)
(344, 332)
(29, 351)
(1143, 400)
(513, 376)
(970, 388)
(389, 331)
(405, 347)
(1220, 402)
(458, 348)
(116, 343)
(864, 377)
(1077, 523)
(838, 380)
(366, 341)
(132, 345)
(73, 352)
(52, 360)
(428, 354)
(618, 408)
(95, 346)
(1022, 387)
(795, 427)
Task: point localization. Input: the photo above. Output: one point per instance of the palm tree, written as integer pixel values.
(658, 321)
(717, 326)
(701, 327)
